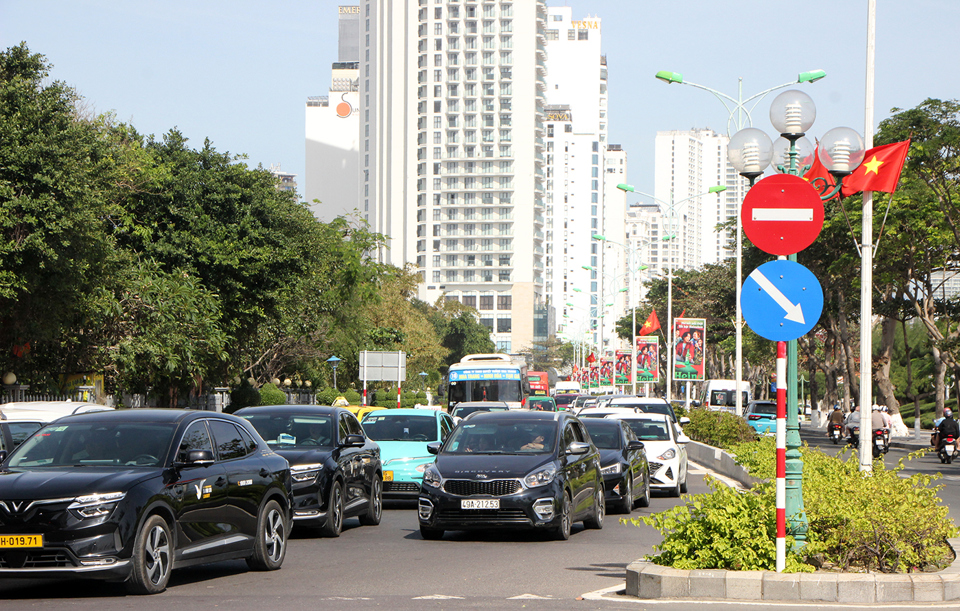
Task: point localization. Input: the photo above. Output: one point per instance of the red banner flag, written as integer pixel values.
(880, 170)
(651, 325)
(591, 358)
(818, 170)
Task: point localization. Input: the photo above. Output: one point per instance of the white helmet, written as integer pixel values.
(947, 413)
(876, 407)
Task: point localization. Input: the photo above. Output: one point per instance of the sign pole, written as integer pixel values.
(781, 501)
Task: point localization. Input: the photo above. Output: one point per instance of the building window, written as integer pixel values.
(470, 300)
(503, 324)
(504, 302)
(486, 302)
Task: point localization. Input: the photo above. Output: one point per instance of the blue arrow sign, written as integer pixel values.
(781, 300)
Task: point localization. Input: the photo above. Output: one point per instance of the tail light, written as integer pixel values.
(753, 417)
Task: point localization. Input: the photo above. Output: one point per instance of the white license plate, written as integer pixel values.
(948, 447)
(480, 504)
(879, 441)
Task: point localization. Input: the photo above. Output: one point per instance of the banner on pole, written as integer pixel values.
(606, 371)
(689, 350)
(623, 368)
(648, 359)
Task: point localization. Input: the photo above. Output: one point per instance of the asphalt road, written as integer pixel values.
(390, 567)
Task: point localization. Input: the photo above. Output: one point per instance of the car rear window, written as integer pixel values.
(647, 430)
(764, 408)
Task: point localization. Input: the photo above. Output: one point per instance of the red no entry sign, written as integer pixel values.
(782, 214)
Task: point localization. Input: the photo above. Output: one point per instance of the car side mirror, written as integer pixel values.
(684, 420)
(683, 439)
(578, 448)
(694, 403)
(434, 447)
(354, 441)
(3, 455)
(196, 458)
(635, 445)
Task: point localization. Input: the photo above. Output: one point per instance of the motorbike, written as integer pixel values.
(948, 449)
(854, 439)
(836, 432)
(879, 443)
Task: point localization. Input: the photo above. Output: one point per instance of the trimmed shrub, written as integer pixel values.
(718, 429)
(271, 395)
(353, 397)
(327, 396)
(244, 395)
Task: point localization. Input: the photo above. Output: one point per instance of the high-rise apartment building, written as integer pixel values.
(333, 130)
(688, 163)
(451, 158)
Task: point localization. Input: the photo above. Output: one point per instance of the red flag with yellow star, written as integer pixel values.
(652, 324)
(880, 170)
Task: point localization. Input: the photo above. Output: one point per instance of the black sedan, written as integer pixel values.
(131, 495)
(335, 467)
(623, 463)
(513, 469)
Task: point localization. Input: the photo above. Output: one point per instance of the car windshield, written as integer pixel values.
(649, 430)
(646, 408)
(395, 427)
(604, 436)
(546, 405)
(465, 410)
(285, 430)
(515, 437)
(764, 408)
(130, 444)
(564, 399)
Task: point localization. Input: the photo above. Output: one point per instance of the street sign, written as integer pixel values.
(782, 214)
(781, 300)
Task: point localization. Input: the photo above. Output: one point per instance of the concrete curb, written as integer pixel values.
(648, 580)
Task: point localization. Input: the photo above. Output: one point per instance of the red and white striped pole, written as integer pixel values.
(781, 456)
(398, 394)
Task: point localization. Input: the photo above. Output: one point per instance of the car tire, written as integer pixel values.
(595, 522)
(626, 501)
(375, 508)
(334, 524)
(270, 546)
(644, 501)
(675, 491)
(152, 557)
(562, 531)
(683, 486)
(431, 534)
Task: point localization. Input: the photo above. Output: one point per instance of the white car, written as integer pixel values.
(664, 443)
(644, 405)
(47, 411)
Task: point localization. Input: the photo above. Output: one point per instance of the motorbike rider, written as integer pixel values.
(877, 422)
(887, 421)
(836, 418)
(947, 427)
(852, 421)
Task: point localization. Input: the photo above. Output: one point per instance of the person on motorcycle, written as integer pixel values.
(887, 421)
(948, 427)
(852, 421)
(836, 418)
(878, 423)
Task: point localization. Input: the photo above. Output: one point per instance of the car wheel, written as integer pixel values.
(644, 501)
(626, 500)
(431, 534)
(562, 531)
(375, 508)
(270, 546)
(595, 522)
(675, 491)
(683, 486)
(334, 524)
(152, 557)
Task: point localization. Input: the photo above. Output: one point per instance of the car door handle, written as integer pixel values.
(221, 481)
(264, 472)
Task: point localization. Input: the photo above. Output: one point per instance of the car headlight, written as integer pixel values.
(431, 477)
(95, 505)
(305, 473)
(541, 477)
(668, 454)
(611, 470)
(422, 467)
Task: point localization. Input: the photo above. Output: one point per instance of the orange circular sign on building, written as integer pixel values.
(344, 108)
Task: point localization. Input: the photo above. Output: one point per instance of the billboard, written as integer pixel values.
(648, 359)
(689, 348)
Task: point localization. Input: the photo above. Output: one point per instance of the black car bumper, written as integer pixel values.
(613, 487)
(529, 508)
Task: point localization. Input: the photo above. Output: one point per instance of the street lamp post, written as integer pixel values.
(841, 149)
(334, 361)
(743, 119)
(672, 207)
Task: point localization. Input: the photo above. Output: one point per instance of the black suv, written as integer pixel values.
(336, 468)
(513, 469)
(132, 494)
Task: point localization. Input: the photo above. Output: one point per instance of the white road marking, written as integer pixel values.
(438, 597)
(530, 596)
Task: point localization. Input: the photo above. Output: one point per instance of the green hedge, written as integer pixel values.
(271, 395)
(719, 429)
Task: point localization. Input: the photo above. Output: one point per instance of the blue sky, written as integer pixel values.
(238, 72)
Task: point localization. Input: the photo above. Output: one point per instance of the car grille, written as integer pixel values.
(482, 515)
(401, 487)
(655, 466)
(497, 487)
(34, 559)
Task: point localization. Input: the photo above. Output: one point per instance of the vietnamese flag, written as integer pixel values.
(880, 170)
(818, 170)
(651, 325)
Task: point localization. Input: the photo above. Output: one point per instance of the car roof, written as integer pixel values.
(316, 410)
(517, 414)
(143, 415)
(482, 404)
(637, 416)
(641, 401)
(601, 422)
(408, 411)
